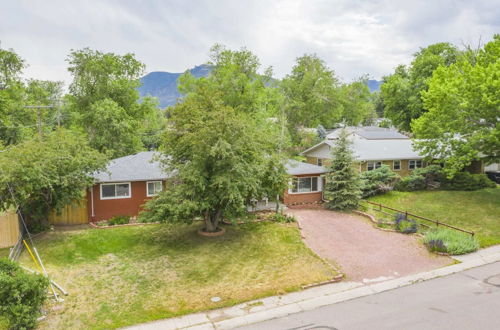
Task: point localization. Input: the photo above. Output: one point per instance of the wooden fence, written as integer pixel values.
(407, 214)
(73, 214)
(9, 229)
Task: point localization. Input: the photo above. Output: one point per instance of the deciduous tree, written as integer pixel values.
(463, 119)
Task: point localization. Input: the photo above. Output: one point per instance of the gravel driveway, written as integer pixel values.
(362, 252)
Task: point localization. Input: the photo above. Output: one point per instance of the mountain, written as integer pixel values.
(163, 85)
(374, 85)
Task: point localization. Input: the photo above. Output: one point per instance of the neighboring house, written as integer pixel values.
(372, 147)
(125, 186)
(306, 184)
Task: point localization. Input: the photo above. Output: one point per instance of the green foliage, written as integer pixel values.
(462, 122)
(411, 183)
(343, 188)
(311, 94)
(356, 103)
(47, 174)
(401, 91)
(280, 217)
(453, 242)
(104, 102)
(223, 158)
(405, 225)
(377, 181)
(22, 294)
(466, 181)
(119, 220)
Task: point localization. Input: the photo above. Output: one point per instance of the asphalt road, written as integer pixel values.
(466, 300)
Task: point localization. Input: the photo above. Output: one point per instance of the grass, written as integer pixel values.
(478, 211)
(122, 276)
(450, 241)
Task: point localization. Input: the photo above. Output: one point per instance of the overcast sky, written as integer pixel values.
(353, 37)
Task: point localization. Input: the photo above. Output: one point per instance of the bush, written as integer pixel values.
(405, 225)
(450, 241)
(119, 220)
(22, 294)
(280, 217)
(466, 181)
(411, 183)
(378, 181)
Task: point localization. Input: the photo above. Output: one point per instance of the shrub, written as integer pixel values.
(411, 183)
(430, 173)
(405, 225)
(280, 217)
(466, 181)
(452, 241)
(22, 294)
(119, 220)
(378, 181)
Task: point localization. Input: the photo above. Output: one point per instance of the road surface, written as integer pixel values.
(466, 300)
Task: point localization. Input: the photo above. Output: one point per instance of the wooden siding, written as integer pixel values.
(73, 214)
(9, 229)
(404, 171)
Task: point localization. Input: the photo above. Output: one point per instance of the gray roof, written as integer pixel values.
(142, 166)
(370, 133)
(294, 167)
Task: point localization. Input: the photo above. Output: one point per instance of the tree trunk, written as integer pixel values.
(212, 220)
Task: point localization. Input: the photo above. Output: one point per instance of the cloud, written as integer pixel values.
(353, 37)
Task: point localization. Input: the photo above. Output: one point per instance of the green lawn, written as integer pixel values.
(473, 210)
(122, 276)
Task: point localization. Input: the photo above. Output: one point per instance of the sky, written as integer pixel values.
(354, 38)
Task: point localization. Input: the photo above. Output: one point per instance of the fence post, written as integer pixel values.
(380, 206)
(406, 215)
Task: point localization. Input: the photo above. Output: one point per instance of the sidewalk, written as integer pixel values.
(279, 306)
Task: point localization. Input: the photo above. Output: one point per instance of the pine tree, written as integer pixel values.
(342, 190)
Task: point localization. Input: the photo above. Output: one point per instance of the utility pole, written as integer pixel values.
(39, 115)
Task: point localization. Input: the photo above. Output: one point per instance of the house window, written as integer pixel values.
(396, 165)
(320, 162)
(373, 165)
(305, 185)
(413, 164)
(154, 188)
(115, 190)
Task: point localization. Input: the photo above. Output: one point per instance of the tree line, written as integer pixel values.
(227, 138)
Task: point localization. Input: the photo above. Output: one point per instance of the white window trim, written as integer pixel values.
(116, 197)
(147, 190)
(393, 162)
(415, 160)
(320, 186)
(374, 164)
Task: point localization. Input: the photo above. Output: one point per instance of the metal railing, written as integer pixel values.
(407, 214)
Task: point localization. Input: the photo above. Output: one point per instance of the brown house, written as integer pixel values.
(306, 183)
(125, 186)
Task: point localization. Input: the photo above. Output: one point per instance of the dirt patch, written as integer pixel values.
(363, 252)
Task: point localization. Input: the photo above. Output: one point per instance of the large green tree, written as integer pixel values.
(220, 160)
(13, 117)
(401, 92)
(311, 94)
(40, 175)
(463, 119)
(104, 100)
(343, 187)
(356, 103)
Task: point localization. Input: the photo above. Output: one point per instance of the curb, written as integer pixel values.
(309, 299)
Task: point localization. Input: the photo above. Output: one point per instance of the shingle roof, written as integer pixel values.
(381, 149)
(139, 167)
(369, 133)
(294, 167)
